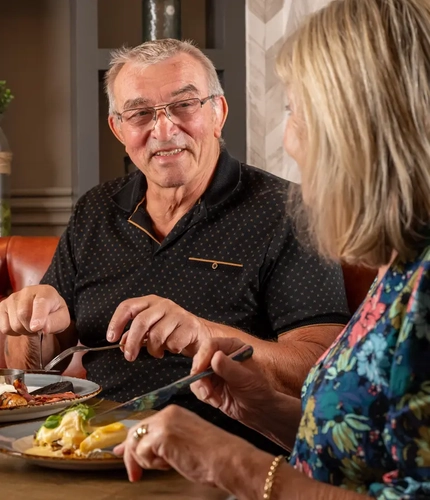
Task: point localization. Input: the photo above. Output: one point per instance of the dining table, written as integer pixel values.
(21, 480)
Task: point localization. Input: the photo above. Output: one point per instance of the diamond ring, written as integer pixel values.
(140, 432)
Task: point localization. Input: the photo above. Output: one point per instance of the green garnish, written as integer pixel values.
(86, 412)
(52, 421)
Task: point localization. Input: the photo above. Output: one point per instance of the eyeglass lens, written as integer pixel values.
(177, 112)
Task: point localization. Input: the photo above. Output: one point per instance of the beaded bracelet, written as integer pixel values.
(271, 477)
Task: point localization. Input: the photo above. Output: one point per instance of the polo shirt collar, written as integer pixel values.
(225, 180)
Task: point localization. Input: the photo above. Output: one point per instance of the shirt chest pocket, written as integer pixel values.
(215, 266)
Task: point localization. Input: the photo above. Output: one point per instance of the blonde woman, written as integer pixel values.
(357, 75)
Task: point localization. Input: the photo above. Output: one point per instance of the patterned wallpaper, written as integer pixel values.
(268, 22)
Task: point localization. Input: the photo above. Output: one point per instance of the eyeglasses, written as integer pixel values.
(177, 112)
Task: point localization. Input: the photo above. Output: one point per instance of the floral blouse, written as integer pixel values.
(366, 402)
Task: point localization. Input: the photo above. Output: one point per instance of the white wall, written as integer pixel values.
(268, 22)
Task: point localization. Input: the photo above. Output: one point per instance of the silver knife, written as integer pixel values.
(159, 396)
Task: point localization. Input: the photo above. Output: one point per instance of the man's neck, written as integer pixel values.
(165, 209)
(166, 206)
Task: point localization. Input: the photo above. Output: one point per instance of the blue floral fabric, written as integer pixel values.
(366, 402)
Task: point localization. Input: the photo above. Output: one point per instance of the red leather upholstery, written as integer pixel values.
(24, 260)
(357, 283)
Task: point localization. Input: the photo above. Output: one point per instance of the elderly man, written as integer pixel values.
(192, 245)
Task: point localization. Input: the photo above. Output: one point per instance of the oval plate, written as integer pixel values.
(84, 389)
(15, 439)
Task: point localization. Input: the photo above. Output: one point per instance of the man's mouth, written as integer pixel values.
(170, 152)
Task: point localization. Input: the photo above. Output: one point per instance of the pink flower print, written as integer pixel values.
(374, 436)
(304, 467)
(371, 313)
(390, 477)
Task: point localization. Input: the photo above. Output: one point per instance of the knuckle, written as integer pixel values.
(172, 411)
(23, 314)
(139, 325)
(15, 325)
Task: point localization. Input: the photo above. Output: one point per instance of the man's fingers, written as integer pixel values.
(139, 331)
(44, 315)
(28, 312)
(124, 313)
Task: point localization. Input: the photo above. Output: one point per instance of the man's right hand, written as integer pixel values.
(34, 309)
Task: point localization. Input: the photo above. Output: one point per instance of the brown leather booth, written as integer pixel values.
(24, 260)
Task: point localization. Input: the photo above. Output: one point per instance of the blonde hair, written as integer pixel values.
(155, 51)
(360, 70)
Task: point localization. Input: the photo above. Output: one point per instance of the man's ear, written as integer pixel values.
(115, 127)
(221, 112)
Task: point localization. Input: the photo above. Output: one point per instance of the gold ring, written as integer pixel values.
(140, 432)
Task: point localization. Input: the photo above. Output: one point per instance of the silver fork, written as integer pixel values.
(40, 350)
(77, 348)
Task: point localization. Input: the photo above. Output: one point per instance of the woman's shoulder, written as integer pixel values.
(415, 273)
(413, 293)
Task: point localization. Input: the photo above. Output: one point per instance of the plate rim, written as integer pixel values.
(91, 394)
(73, 462)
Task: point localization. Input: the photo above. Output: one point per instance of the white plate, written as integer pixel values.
(84, 389)
(15, 439)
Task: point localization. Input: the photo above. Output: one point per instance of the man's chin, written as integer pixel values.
(170, 181)
(172, 184)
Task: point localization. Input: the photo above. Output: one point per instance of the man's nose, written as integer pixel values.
(163, 126)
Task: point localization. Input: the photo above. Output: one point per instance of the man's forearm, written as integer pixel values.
(287, 361)
(2, 356)
(23, 351)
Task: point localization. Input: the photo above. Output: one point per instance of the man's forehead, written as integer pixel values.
(184, 92)
(167, 79)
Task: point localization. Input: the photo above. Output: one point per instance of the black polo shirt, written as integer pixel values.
(231, 259)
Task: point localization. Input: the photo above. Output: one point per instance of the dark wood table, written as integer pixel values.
(20, 480)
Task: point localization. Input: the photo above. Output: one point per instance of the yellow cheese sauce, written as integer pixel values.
(44, 451)
(72, 438)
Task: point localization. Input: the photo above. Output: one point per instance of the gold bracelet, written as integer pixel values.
(271, 477)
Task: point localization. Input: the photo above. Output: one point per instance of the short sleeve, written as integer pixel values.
(299, 287)
(61, 273)
(407, 430)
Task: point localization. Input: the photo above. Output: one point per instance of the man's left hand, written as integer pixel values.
(159, 322)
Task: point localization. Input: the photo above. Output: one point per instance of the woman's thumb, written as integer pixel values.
(229, 370)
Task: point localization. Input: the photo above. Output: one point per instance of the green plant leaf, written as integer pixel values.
(5, 96)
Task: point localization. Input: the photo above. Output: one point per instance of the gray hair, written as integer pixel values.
(155, 51)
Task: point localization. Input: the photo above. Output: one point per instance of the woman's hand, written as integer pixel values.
(239, 389)
(199, 451)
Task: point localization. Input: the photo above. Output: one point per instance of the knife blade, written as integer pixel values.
(160, 396)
